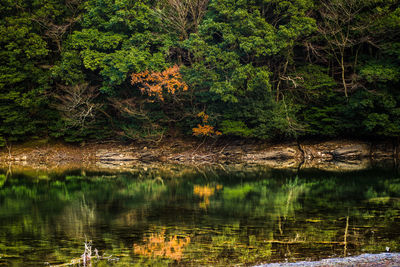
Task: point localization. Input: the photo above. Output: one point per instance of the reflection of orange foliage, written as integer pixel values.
(205, 192)
(153, 83)
(156, 245)
(204, 129)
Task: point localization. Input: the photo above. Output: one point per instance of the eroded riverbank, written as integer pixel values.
(330, 155)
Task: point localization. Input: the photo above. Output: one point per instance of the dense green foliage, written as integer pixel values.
(258, 68)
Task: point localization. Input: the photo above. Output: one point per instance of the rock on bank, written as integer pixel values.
(336, 154)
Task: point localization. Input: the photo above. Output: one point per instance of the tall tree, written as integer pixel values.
(22, 80)
(238, 55)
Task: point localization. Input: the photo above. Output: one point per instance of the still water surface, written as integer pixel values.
(215, 216)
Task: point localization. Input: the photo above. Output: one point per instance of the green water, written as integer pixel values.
(222, 215)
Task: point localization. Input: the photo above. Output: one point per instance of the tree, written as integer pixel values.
(116, 39)
(150, 114)
(204, 129)
(77, 104)
(236, 61)
(156, 83)
(182, 17)
(348, 27)
(342, 29)
(22, 81)
(55, 18)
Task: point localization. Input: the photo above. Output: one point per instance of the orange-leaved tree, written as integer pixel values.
(155, 83)
(205, 129)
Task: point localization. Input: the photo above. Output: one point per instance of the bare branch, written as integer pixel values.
(77, 104)
(182, 16)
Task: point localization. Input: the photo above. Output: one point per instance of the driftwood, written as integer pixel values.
(88, 257)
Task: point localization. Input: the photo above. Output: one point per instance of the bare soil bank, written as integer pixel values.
(330, 155)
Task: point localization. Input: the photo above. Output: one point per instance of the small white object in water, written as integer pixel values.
(387, 249)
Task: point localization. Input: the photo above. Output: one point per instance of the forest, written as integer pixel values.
(145, 70)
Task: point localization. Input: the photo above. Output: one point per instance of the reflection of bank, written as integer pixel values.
(160, 244)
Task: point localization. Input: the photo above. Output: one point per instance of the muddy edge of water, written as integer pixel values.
(329, 155)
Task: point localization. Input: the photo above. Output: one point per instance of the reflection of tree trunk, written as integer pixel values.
(9, 171)
(288, 202)
(356, 236)
(346, 231)
(289, 253)
(396, 150)
(9, 145)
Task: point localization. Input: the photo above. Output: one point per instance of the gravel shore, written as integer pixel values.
(370, 260)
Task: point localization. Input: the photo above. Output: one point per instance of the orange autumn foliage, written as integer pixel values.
(205, 129)
(154, 83)
(157, 245)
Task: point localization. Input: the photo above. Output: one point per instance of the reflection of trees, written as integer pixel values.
(264, 197)
(205, 192)
(77, 219)
(309, 214)
(61, 212)
(159, 244)
(251, 216)
(228, 245)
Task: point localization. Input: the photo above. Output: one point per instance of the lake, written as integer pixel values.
(209, 215)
